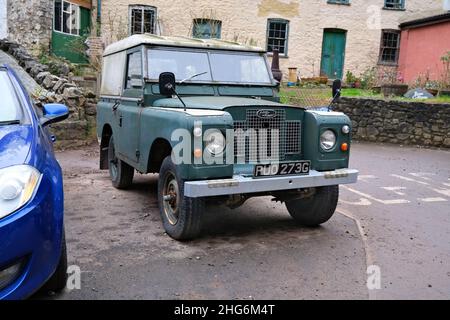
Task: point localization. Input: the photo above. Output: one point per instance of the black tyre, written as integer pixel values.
(121, 173)
(317, 209)
(181, 216)
(58, 280)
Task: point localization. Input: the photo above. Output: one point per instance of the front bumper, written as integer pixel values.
(240, 184)
(32, 235)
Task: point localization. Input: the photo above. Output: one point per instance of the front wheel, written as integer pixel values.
(121, 173)
(181, 216)
(57, 281)
(316, 209)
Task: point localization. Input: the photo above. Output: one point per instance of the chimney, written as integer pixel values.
(277, 74)
(446, 5)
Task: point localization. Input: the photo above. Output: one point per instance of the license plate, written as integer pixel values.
(282, 169)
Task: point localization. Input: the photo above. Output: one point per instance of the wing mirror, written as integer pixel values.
(167, 84)
(54, 112)
(337, 86)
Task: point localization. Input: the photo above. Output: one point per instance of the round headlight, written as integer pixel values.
(327, 140)
(11, 189)
(214, 141)
(346, 129)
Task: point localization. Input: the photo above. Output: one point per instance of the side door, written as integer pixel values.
(130, 108)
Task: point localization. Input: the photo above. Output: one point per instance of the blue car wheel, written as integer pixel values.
(58, 280)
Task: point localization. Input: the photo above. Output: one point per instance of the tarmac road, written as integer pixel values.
(395, 220)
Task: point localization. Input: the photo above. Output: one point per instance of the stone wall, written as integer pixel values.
(30, 23)
(399, 122)
(79, 128)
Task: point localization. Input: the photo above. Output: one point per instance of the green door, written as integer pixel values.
(333, 53)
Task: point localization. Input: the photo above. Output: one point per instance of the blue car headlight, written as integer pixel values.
(18, 185)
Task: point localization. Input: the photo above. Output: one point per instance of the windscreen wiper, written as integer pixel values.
(193, 76)
(9, 122)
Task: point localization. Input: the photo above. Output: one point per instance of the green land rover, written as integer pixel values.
(206, 115)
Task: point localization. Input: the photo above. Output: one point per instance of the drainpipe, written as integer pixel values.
(99, 16)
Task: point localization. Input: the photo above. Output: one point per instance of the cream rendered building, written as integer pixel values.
(317, 36)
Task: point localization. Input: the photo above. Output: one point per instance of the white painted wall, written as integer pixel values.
(3, 20)
(247, 20)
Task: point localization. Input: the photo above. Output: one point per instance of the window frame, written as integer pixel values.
(402, 5)
(286, 43)
(382, 47)
(130, 53)
(78, 18)
(143, 8)
(207, 20)
(148, 79)
(341, 2)
(21, 97)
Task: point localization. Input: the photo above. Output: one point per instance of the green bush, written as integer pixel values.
(369, 78)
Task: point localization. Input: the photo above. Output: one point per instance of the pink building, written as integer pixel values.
(423, 42)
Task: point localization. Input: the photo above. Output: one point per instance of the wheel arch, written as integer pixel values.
(160, 149)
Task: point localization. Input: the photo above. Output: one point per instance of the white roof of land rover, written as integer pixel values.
(150, 39)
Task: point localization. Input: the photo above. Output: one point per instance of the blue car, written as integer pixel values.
(32, 243)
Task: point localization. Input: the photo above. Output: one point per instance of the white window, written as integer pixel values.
(142, 19)
(66, 17)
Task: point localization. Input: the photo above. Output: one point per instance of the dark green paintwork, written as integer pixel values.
(151, 117)
(315, 124)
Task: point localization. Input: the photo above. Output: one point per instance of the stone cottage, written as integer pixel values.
(319, 37)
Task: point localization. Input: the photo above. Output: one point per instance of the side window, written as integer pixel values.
(277, 35)
(142, 19)
(394, 4)
(390, 47)
(207, 29)
(66, 17)
(134, 70)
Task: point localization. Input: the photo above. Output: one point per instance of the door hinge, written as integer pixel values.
(116, 105)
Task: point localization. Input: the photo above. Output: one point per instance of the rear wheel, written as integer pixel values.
(316, 209)
(121, 173)
(181, 216)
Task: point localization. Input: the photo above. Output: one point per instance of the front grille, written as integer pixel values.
(271, 138)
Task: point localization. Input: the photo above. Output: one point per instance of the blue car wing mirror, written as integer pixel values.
(54, 112)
